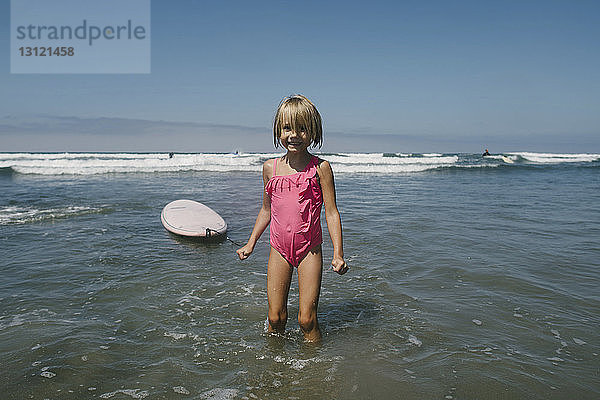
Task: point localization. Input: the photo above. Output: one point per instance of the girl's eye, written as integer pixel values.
(286, 128)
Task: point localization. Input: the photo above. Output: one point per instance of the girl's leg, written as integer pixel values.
(309, 283)
(279, 277)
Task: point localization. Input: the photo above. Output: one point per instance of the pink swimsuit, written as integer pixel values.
(296, 202)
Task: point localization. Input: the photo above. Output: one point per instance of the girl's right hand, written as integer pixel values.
(244, 252)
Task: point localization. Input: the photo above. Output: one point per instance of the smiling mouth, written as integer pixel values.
(295, 143)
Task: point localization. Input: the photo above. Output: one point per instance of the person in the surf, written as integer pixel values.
(486, 153)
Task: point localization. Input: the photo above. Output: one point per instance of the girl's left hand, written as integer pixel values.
(244, 252)
(339, 265)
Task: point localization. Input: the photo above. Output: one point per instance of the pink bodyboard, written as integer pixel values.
(190, 218)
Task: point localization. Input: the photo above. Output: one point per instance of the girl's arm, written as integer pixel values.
(332, 215)
(264, 216)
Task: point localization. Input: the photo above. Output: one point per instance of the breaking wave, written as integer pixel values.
(379, 163)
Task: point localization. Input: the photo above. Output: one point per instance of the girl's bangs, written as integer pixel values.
(296, 116)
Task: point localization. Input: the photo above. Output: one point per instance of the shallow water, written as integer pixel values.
(465, 283)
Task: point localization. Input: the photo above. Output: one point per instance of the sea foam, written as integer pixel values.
(368, 163)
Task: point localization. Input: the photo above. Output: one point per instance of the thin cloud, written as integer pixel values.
(50, 124)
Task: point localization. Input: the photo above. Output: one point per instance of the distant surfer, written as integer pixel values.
(171, 154)
(486, 153)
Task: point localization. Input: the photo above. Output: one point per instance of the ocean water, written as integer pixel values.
(470, 278)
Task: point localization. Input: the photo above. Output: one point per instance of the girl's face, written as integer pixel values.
(294, 140)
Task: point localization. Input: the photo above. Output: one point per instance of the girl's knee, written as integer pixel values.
(277, 317)
(307, 321)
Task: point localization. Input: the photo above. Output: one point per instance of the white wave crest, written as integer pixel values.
(22, 215)
(380, 159)
(92, 163)
(552, 158)
(383, 163)
(103, 163)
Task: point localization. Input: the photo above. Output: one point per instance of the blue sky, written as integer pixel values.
(405, 76)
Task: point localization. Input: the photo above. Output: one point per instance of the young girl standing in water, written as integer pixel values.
(295, 187)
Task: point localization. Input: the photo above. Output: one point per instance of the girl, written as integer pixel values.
(295, 187)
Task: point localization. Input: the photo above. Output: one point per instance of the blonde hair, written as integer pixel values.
(298, 112)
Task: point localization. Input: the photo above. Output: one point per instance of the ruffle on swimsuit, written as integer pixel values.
(296, 202)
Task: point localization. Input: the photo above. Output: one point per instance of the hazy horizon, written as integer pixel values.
(74, 134)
